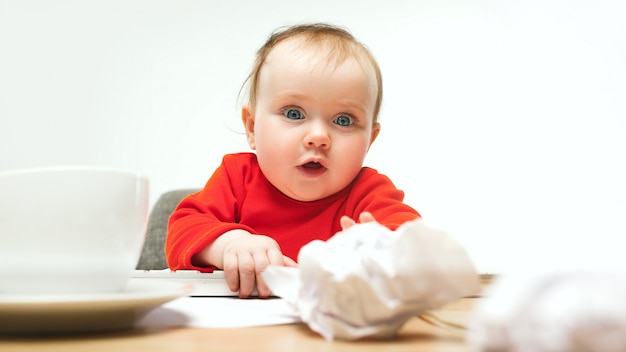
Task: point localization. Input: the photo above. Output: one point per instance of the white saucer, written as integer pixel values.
(53, 314)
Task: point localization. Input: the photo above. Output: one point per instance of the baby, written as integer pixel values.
(312, 114)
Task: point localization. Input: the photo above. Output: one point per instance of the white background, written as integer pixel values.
(503, 121)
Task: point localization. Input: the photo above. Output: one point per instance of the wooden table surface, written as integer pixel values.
(416, 335)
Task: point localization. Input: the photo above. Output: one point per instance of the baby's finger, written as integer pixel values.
(366, 216)
(262, 260)
(346, 222)
(289, 262)
(247, 275)
(231, 272)
(262, 288)
(274, 257)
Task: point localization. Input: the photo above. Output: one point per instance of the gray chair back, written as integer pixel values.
(153, 252)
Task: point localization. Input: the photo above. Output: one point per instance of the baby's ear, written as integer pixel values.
(247, 117)
(375, 132)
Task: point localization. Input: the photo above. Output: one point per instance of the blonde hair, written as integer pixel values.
(339, 44)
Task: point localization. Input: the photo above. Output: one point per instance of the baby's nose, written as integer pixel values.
(317, 136)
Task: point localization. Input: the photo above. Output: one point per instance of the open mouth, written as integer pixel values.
(312, 169)
(312, 165)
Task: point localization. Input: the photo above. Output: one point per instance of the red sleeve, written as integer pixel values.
(202, 217)
(375, 193)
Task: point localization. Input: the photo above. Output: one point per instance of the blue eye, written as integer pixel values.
(343, 120)
(293, 114)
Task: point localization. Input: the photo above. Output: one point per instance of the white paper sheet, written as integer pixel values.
(220, 312)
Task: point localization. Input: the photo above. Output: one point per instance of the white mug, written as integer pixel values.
(70, 229)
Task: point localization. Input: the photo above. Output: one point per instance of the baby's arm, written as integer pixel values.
(243, 256)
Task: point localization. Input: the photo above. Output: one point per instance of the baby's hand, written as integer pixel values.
(347, 222)
(245, 256)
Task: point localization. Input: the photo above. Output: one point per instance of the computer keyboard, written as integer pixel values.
(205, 284)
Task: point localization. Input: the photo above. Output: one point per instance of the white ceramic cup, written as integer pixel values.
(70, 229)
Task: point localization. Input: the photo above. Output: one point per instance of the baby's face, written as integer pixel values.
(313, 121)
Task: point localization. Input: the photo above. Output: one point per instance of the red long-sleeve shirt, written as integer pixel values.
(238, 196)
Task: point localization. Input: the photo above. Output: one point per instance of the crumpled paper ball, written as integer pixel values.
(367, 281)
(557, 311)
